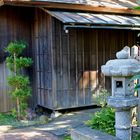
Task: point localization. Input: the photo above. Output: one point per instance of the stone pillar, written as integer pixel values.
(122, 124)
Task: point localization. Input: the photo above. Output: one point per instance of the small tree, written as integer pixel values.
(19, 83)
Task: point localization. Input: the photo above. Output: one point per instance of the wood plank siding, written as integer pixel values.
(15, 24)
(66, 69)
(42, 39)
(78, 56)
(68, 64)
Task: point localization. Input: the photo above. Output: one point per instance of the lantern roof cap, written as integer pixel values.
(122, 66)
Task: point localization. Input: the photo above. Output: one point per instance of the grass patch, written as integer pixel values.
(9, 120)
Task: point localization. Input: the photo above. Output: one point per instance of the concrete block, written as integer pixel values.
(86, 133)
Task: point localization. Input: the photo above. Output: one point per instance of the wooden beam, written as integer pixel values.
(1, 2)
(73, 7)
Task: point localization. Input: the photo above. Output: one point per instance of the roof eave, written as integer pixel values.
(1, 2)
(74, 7)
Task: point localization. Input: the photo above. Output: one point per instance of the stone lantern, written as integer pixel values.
(123, 100)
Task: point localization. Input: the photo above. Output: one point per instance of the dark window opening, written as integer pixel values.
(119, 84)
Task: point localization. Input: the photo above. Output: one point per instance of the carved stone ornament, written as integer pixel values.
(122, 66)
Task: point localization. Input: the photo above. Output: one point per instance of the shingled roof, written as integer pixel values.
(109, 6)
(102, 3)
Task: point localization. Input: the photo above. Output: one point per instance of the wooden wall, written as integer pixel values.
(66, 70)
(42, 42)
(15, 25)
(78, 56)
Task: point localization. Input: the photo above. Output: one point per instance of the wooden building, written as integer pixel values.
(68, 41)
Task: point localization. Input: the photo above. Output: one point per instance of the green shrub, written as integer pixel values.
(19, 83)
(101, 99)
(136, 137)
(67, 137)
(103, 120)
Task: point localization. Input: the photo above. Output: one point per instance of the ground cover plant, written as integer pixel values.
(103, 120)
(7, 119)
(10, 122)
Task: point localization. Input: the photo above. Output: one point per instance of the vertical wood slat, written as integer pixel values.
(76, 69)
(45, 70)
(96, 56)
(69, 71)
(5, 98)
(83, 69)
(61, 69)
(52, 87)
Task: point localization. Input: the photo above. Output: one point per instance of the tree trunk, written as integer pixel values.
(17, 99)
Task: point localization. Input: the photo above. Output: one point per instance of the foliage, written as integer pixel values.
(20, 84)
(7, 119)
(101, 99)
(67, 137)
(136, 137)
(136, 8)
(134, 84)
(20, 62)
(103, 120)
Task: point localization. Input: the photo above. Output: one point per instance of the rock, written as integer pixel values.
(43, 119)
(86, 133)
(55, 114)
(30, 114)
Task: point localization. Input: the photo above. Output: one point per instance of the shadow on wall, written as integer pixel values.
(91, 79)
(3, 55)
